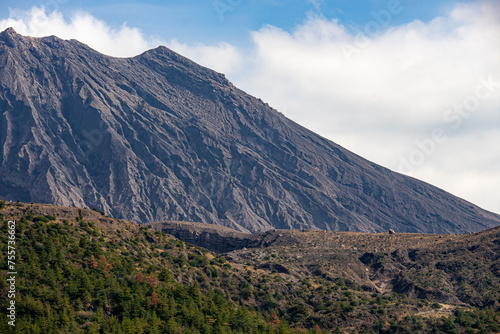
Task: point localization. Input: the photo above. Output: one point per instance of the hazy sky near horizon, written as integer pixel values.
(411, 85)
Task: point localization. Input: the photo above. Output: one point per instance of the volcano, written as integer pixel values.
(158, 137)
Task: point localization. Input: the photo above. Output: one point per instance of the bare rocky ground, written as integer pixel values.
(454, 268)
(158, 137)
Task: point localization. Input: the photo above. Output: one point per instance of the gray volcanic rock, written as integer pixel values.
(158, 137)
(216, 238)
(221, 239)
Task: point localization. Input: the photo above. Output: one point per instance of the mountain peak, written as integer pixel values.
(164, 54)
(9, 31)
(158, 137)
(9, 36)
(163, 57)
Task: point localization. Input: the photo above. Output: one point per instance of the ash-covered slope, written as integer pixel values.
(158, 137)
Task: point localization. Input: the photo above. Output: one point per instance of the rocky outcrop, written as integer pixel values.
(157, 137)
(218, 239)
(221, 239)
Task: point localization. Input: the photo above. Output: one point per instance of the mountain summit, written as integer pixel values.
(158, 137)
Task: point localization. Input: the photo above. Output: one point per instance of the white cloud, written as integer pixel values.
(316, 3)
(392, 90)
(122, 42)
(224, 57)
(381, 95)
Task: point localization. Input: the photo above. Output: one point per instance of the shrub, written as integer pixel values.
(436, 306)
(41, 219)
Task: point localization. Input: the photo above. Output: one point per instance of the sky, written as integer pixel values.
(411, 85)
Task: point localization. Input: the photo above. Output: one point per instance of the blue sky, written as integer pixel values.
(413, 85)
(212, 21)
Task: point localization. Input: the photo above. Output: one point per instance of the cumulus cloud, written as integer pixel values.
(223, 57)
(122, 42)
(421, 98)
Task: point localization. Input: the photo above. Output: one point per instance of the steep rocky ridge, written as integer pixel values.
(157, 137)
(221, 239)
(212, 237)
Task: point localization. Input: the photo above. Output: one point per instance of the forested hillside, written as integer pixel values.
(81, 272)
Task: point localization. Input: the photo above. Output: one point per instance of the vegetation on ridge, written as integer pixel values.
(81, 272)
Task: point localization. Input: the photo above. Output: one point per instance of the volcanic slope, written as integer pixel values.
(158, 137)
